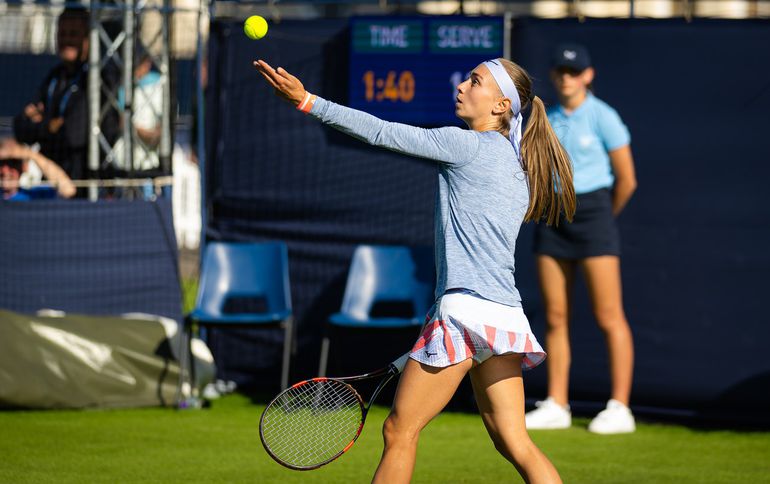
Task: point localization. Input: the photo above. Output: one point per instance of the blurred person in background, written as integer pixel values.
(146, 121)
(148, 109)
(14, 159)
(598, 144)
(57, 117)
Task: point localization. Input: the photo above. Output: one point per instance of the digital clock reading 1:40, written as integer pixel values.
(395, 86)
(406, 69)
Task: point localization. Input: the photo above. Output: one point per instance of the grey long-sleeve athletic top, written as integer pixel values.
(482, 197)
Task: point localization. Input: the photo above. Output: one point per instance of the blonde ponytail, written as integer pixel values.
(549, 169)
(547, 164)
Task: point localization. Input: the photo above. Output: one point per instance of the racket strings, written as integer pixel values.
(310, 424)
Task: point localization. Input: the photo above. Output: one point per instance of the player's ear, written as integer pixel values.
(502, 105)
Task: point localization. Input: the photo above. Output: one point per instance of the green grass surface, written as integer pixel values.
(189, 291)
(221, 444)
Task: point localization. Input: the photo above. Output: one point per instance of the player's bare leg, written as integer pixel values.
(499, 391)
(556, 278)
(604, 285)
(423, 391)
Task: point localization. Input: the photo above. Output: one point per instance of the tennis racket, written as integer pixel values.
(315, 421)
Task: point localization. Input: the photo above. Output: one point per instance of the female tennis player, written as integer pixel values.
(598, 144)
(491, 179)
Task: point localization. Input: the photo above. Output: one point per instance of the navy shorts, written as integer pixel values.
(593, 232)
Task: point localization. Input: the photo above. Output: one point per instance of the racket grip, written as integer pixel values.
(400, 363)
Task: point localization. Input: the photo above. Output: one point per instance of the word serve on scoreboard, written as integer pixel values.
(406, 69)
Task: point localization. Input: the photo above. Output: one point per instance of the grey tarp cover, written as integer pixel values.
(74, 361)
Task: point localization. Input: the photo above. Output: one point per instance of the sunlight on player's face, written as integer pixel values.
(476, 96)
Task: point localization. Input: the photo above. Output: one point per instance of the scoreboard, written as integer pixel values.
(406, 69)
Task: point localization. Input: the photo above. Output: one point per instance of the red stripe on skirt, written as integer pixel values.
(491, 333)
(528, 346)
(426, 336)
(511, 338)
(470, 348)
(450, 347)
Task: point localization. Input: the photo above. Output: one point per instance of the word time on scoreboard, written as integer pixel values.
(406, 69)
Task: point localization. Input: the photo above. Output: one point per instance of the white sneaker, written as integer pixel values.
(210, 392)
(615, 419)
(548, 415)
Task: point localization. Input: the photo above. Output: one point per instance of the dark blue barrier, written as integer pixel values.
(104, 258)
(695, 97)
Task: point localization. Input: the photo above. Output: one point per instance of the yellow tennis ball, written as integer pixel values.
(255, 27)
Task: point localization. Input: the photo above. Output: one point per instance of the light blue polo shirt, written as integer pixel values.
(588, 134)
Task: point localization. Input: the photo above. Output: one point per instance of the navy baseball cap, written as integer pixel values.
(573, 56)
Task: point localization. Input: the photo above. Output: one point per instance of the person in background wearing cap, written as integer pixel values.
(598, 144)
(13, 160)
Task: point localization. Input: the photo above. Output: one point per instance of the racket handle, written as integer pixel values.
(400, 363)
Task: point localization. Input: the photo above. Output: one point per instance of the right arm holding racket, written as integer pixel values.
(448, 145)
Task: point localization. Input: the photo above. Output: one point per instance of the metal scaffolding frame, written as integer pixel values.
(120, 50)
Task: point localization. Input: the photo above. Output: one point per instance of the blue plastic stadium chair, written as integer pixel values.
(387, 287)
(246, 284)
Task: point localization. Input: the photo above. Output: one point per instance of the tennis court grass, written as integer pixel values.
(221, 444)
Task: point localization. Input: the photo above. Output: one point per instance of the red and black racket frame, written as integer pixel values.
(386, 373)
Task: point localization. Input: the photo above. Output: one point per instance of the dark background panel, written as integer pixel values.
(98, 258)
(22, 75)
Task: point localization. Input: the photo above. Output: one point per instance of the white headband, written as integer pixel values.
(508, 87)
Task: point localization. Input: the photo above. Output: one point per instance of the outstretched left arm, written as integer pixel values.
(450, 145)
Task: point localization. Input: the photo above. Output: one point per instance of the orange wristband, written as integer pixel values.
(307, 103)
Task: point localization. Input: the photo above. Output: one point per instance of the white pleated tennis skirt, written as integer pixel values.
(462, 325)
